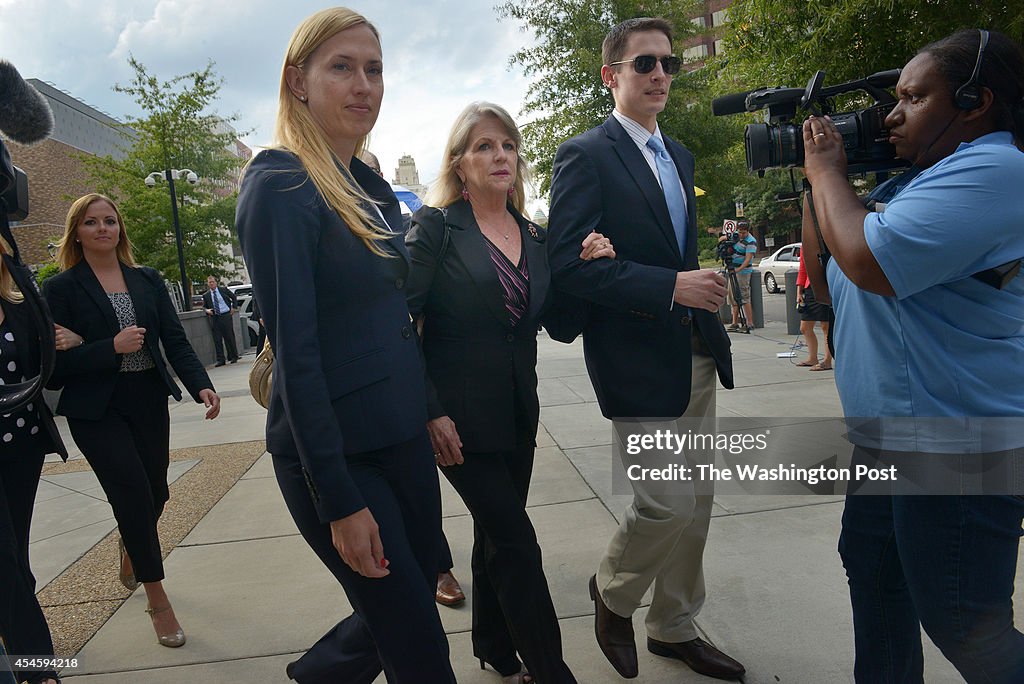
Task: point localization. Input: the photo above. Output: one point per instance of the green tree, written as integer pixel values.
(778, 42)
(781, 43)
(178, 131)
(567, 96)
(47, 271)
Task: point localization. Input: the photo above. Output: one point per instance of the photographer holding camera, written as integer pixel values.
(743, 248)
(930, 325)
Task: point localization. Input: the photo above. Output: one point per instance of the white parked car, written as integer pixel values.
(774, 267)
(245, 307)
(239, 290)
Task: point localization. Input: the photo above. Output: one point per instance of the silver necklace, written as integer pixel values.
(507, 236)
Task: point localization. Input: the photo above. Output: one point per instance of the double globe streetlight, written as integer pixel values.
(171, 175)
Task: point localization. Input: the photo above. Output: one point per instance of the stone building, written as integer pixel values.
(406, 175)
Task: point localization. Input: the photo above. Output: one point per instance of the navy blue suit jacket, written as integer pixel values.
(348, 375)
(637, 348)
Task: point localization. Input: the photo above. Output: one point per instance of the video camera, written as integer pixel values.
(13, 187)
(726, 247)
(779, 142)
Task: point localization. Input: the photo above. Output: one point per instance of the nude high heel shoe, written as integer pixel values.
(174, 640)
(127, 578)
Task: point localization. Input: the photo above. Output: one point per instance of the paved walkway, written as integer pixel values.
(252, 596)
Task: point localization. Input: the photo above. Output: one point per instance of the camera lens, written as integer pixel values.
(773, 146)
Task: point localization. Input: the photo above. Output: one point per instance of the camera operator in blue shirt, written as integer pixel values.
(745, 247)
(929, 335)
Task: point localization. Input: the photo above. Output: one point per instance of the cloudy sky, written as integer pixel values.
(439, 55)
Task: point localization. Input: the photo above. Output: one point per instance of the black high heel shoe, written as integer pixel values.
(521, 677)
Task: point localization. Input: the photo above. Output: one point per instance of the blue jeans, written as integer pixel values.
(945, 563)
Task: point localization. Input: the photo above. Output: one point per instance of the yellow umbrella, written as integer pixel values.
(698, 192)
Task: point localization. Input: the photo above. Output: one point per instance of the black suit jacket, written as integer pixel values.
(26, 338)
(348, 376)
(88, 372)
(479, 366)
(638, 349)
(228, 295)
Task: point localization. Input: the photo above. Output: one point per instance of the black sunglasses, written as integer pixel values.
(644, 64)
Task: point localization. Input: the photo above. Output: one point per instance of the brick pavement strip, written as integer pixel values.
(81, 599)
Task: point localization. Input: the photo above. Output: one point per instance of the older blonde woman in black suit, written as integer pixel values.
(480, 283)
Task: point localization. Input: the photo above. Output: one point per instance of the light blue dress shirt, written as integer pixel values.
(947, 345)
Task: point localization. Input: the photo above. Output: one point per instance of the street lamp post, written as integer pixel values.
(170, 175)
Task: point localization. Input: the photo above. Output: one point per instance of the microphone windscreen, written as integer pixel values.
(25, 115)
(735, 103)
(884, 79)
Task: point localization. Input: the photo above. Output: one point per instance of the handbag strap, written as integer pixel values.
(445, 240)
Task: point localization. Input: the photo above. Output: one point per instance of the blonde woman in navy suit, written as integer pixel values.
(321, 234)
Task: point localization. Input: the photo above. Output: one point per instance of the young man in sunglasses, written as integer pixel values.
(652, 339)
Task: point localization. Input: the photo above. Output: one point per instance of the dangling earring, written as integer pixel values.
(511, 190)
(465, 193)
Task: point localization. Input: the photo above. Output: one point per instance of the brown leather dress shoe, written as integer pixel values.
(614, 635)
(701, 656)
(449, 593)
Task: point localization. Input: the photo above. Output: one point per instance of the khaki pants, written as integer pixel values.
(661, 538)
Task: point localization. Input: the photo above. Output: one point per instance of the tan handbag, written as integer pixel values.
(261, 375)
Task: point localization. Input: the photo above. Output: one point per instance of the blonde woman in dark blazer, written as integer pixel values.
(116, 315)
(346, 425)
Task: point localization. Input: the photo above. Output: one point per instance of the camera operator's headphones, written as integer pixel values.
(968, 96)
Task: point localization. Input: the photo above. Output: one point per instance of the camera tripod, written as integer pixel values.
(734, 283)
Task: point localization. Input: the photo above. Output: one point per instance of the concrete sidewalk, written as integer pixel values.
(251, 595)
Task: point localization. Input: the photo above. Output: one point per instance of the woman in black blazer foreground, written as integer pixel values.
(479, 282)
(26, 436)
(346, 424)
(115, 382)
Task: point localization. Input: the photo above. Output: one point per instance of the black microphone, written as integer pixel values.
(884, 79)
(25, 115)
(735, 103)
